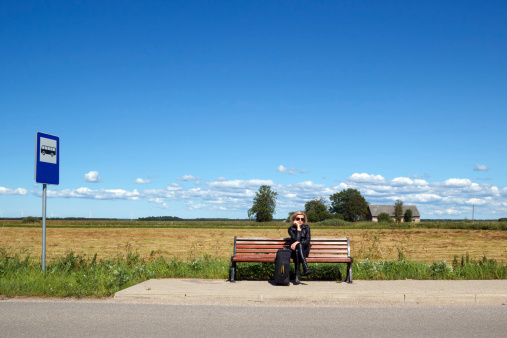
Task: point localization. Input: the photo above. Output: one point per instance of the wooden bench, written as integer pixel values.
(323, 250)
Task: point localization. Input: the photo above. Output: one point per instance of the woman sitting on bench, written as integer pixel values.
(299, 233)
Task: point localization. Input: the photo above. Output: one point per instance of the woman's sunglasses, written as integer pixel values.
(300, 219)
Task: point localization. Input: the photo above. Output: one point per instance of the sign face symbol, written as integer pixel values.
(48, 150)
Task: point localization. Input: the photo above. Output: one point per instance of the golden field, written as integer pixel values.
(424, 245)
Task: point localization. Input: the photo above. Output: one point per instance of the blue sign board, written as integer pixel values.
(47, 159)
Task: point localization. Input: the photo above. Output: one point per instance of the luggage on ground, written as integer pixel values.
(282, 265)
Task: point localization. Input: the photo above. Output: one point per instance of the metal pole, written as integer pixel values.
(44, 189)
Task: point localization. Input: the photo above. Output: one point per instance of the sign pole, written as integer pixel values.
(47, 171)
(44, 191)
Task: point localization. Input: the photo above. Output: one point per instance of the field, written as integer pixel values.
(98, 258)
(216, 240)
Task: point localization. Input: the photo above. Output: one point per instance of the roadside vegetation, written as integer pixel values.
(80, 276)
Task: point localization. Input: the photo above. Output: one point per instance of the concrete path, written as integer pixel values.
(477, 292)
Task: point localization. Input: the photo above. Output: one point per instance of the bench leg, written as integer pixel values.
(349, 273)
(232, 273)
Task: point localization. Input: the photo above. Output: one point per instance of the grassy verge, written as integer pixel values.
(79, 276)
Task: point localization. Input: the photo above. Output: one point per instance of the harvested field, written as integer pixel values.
(424, 245)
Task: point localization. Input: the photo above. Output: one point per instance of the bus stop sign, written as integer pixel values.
(47, 159)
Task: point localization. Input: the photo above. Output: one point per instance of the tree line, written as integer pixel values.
(348, 205)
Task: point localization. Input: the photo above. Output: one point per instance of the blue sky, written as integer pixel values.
(185, 108)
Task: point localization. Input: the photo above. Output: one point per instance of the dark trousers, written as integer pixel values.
(295, 258)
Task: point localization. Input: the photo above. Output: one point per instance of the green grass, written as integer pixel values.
(79, 276)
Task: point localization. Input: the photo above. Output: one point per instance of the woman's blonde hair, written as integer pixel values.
(293, 216)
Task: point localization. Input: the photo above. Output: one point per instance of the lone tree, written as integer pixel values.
(350, 204)
(264, 204)
(398, 210)
(384, 217)
(316, 210)
(408, 216)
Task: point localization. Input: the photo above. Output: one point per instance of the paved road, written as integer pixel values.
(113, 319)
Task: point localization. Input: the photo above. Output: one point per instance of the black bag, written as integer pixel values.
(282, 265)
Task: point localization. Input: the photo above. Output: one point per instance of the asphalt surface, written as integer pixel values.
(205, 291)
(111, 318)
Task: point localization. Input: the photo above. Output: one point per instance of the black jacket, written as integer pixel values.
(302, 236)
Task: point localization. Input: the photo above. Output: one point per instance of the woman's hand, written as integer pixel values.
(293, 246)
(298, 225)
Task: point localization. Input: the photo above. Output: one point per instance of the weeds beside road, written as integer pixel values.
(80, 276)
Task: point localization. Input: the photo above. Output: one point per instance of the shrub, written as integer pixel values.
(502, 220)
(30, 219)
(316, 210)
(334, 222)
(408, 216)
(339, 216)
(385, 218)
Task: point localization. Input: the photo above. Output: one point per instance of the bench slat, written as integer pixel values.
(271, 259)
(286, 238)
(314, 247)
(265, 250)
(259, 247)
(254, 250)
(263, 243)
(288, 243)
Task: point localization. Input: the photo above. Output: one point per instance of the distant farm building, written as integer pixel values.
(375, 210)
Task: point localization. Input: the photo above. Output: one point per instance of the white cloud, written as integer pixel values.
(421, 198)
(282, 169)
(476, 201)
(366, 178)
(17, 191)
(446, 212)
(141, 181)
(160, 202)
(457, 182)
(174, 187)
(239, 184)
(188, 178)
(400, 181)
(452, 211)
(480, 167)
(102, 194)
(420, 182)
(191, 206)
(92, 176)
